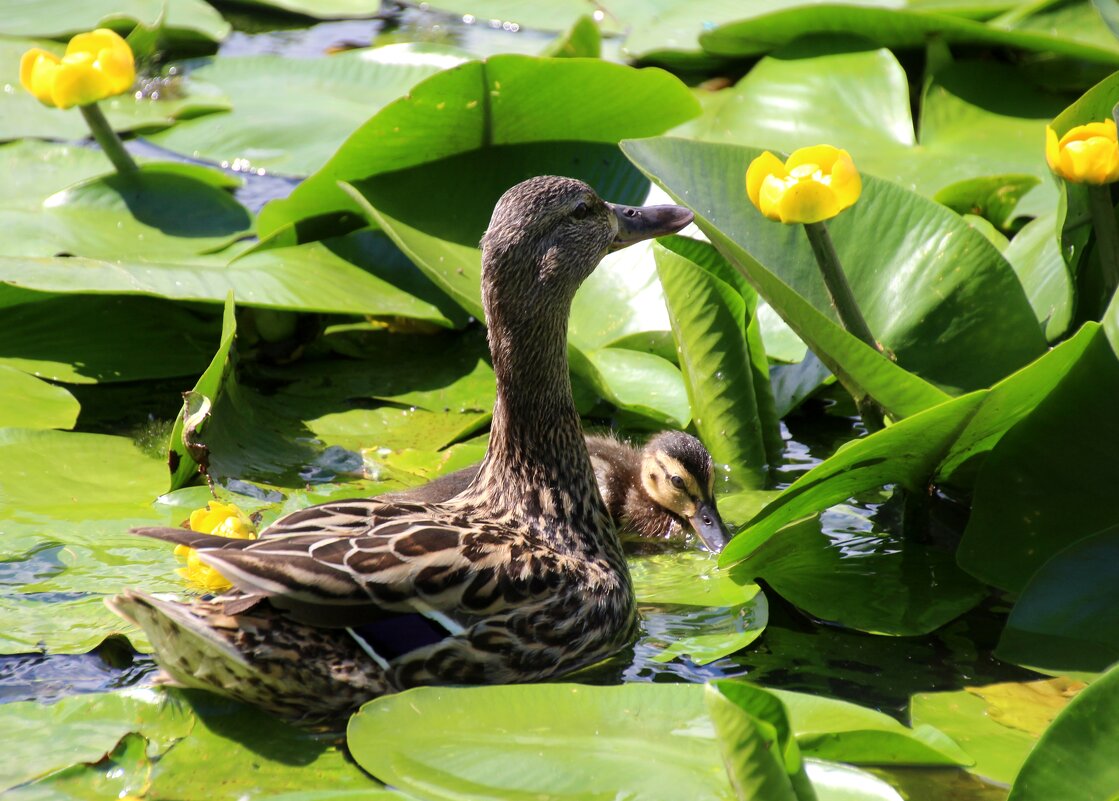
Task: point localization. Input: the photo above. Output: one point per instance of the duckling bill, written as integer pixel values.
(520, 577)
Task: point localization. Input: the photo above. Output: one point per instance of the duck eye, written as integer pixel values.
(580, 211)
(677, 482)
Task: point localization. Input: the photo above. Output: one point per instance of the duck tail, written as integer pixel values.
(310, 676)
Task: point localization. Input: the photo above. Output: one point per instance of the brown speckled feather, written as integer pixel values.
(522, 571)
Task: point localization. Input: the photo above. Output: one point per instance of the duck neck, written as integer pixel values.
(536, 467)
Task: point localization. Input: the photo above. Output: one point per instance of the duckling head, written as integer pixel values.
(548, 233)
(678, 474)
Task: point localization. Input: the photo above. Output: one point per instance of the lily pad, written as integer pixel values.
(1035, 255)
(855, 97)
(760, 754)
(1066, 617)
(943, 442)
(997, 724)
(509, 741)
(504, 100)
(323, 9)
(334, 96)
(954, 281)
(156, 212)
(177, 732)
(1049, 481)
(738, 612)
(845, 572)
(147, 339)
(31, 403)
(359, 273)
(184, 20)
(1066, 762)
(900, 27)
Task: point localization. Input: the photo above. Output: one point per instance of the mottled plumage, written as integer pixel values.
(659, 492)
(522, 571)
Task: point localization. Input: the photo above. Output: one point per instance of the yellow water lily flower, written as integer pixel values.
(813, 184)
(1087, 154)
(224, 520)
(96, 65)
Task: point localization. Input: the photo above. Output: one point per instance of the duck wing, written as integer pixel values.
(350, 562)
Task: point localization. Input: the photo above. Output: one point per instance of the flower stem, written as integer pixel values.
(107, 138)
(848, 309)
(1107, 235)
(836, 282)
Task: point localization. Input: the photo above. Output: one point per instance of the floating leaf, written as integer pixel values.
(1067, 616)
(1050, 480)
(1068, 761)
(850, 95)
(31, 403)
(869, 580)
(148, 338)
(504, 100)
(334, 96)
(953, 280)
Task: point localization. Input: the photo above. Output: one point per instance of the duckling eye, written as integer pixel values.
(580, 211)
(677, 482)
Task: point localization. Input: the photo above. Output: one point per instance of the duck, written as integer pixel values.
(658, 493)
(520, 577)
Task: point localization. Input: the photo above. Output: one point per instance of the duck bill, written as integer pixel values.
(710, 527)
(637, 223)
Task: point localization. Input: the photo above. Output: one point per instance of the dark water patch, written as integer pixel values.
(38, 564)
(48, 677)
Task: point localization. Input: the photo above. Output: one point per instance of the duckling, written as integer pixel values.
(658, 493)
(520, 577)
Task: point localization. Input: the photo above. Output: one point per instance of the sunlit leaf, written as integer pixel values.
(334, 96)
(958, 290)
(31, 403)
(1066, 762)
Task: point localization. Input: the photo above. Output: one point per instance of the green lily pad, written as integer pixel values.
(997, 724)
(502, 101)
(943, 442)
(906, 453)
(182, 20)
(738, 613)
(806, 94)
(1066, 762)
(759, 751)
(900, 27)
(359, 273)
(953, 280)
(70, 499)
(1066, 619)
(724, 363)
(334, 96)
(147, 338)
(84, 729)
(161, 213)
(1049, 481)
(207, 389)
(509, 741)
(177, 732)
(866, 580)
(31, 403)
